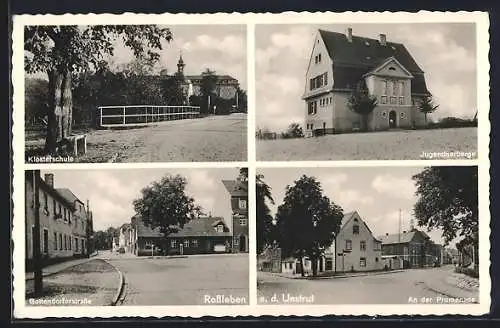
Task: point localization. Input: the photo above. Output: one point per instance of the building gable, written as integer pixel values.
(318, 68)
(391, 68)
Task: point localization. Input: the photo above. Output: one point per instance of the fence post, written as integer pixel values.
(100, 110)
(123, 115)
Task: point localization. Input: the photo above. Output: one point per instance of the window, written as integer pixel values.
(401, 88)
(393, 100)
(60, 210)
(383, 99)
(46, 203)
(362, 262)
(376, 259)
(384, 88)
(55, 241)
(65, 242)
(243, 203)
(401, 100)
(402, 114)
(220, 228)
(236, 241)
(83, 245)
(70, 243)
(355, 229)
(69, 216)
(45, 241)
(362, 246)
(376, 246)
(76, 244)
(186, 243)
(60, 242)
(348, 244)
(54, 208)
(195, 242)
(384, 114)
(173, 243)
(243, 222)
(319, 58)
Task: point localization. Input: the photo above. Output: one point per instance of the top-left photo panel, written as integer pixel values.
(134, 93)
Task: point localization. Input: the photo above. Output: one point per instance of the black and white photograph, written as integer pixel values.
(367, 235)
(135, 93)
(377, 91)
(137, 237)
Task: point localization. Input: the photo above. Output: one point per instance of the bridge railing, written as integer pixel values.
(141, 115)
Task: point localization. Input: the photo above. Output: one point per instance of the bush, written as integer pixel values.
(452, 122)
(474, 273)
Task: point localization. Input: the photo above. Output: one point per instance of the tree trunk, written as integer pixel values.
(425, 119)
(314, 264)
(53, 112)
(301, 267)
(67, 105)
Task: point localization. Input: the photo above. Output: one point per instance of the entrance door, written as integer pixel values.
(243, 243)
(392, 119)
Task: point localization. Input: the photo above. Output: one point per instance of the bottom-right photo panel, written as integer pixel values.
(367, 235)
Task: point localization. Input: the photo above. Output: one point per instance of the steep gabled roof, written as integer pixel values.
(203, 227)
(351, 60)
(68, 195)
(350, 215)
(235, 188)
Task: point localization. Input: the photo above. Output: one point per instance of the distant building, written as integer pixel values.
(63, 221)
(341, 63)
(124, 239)
(414, 248)
(238, 189)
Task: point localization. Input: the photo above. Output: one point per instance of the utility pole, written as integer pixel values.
(37, 256)
(399, 227)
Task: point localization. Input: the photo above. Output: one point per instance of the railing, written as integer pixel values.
(141, 115)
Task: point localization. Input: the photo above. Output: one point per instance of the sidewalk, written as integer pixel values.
(58, 267)
(455, 285)
(337, 276)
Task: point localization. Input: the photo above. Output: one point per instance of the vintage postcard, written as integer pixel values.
(293, 164)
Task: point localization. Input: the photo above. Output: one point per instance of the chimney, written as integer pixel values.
(49, 179)
(383, 39)
(349, 34)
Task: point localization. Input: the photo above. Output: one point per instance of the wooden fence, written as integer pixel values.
(140, 115)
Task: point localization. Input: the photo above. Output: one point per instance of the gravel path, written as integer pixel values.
(391, 145)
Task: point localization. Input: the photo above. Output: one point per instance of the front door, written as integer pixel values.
(392, 119)
(243, 243)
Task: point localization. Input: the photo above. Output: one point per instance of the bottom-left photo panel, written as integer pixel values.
(136, 237)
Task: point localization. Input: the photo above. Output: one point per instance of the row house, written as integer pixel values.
(341, 63)
(64, 220)
(410, 249)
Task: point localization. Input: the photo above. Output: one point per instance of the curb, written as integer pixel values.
(56, 272)
(341, 276)
(121, 284)
(440, 291)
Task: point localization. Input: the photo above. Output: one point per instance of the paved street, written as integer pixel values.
(391, 288)
(182, 281)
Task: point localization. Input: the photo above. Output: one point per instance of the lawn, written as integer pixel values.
(390, 145)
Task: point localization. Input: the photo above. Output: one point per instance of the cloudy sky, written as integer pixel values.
(445, 52)
(376, 193)
(221, 48)
(111, 192)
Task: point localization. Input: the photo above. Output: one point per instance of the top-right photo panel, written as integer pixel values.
(366, 92)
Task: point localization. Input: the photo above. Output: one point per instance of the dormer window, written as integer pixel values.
(243, 204)
(219, 228)
(392, 68)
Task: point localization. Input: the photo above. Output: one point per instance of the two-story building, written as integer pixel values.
(63, 220)
(341, 63)
(413, 248)
(238, 189)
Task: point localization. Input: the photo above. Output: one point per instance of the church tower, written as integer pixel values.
(180, 66)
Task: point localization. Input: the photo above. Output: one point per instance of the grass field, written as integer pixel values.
(215, 138)
(390, 145)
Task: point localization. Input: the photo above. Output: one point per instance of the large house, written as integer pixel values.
(64, 220)
(203, 235)
(354, 249)
(238, 189)
(226, 86)
(413, 248)
(341, 63)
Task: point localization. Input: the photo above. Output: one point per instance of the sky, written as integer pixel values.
(111, 192)
(376, 193)
(446, 52)
(221, 48)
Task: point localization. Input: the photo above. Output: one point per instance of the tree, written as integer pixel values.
(265, 226)
(207, 89)
(294, 130)
(426, 106)
(363, 104)
(63, 51)
(242, 100)
(448, 200)
(164, 204)
(35, 96)
(307, 221)
(172, 90)
(244, 174)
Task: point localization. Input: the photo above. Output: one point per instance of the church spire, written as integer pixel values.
(180, 64)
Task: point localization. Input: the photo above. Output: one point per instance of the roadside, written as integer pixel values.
(332, 276)
(454, 285)
(92, 282)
